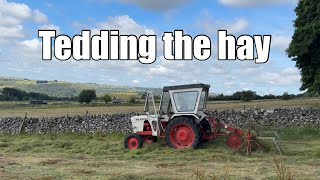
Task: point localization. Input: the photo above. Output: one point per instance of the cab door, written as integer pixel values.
(152, 113)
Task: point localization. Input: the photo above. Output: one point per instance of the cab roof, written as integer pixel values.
(187, 86)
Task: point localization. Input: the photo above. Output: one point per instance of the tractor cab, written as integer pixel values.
(184, 100)
(179, 100)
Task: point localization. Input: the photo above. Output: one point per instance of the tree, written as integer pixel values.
(244, 95)
(10, 94)
(248, 95)
(87, 96)
(285, 96)
(107, 98)
(132, 99)
(304, 47)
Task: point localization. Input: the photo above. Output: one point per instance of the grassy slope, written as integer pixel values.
(100, 156)
(67, 89)
(12, 109)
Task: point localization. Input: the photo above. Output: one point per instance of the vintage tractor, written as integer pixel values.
(182, 122)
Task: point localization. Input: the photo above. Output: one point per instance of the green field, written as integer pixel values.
(54, 109)
(102, 156)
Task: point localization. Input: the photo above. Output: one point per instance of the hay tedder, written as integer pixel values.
(182, 122)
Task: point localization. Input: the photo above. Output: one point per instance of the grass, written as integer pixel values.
(102, 156)
(54, 109)
(123, 95)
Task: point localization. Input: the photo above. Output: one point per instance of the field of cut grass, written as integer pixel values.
(123, 95)
(54, 109)
(102, 156)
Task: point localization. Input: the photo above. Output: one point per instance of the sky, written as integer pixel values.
(21, 49)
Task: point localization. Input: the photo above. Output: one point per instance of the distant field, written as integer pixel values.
(268, 104)
(70, 89)
(123, 95)
(102, 156)
(54, 109)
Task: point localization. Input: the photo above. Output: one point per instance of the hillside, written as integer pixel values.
(68, 89)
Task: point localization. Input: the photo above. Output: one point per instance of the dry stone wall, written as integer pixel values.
(252, 118)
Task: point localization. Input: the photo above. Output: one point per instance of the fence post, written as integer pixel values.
(23, 123)
(87, 121)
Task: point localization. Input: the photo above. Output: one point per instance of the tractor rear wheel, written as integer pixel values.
(234, 141)
(183, 132)
(133, 141)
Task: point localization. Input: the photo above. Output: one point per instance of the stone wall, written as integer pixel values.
(253, 118)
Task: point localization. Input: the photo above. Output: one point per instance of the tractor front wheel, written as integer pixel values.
(183, 132)
(133, 141)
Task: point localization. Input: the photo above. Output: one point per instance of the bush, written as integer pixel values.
(87, 96)
(132, 99)
(107, 98)
(286, 96)
(247, 95)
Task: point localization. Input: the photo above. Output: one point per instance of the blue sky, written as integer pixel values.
(20, 49)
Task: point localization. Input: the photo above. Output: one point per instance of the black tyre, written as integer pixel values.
(133, 141)
(155, 138)
(183, 132)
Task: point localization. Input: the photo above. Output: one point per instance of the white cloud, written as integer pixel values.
(158, 5)
(32, 45)
(13, 16)
(217, 69)
(159, 70)
(212, 25)
(288, 76)
(135, 81)
(11, 32)
(78, 25)
(125, 25)
(112, 80)
(50, 27)
(280, 43)
(255, 3)
(19, 10)
(39, 17)
(239, 25)
(9, 20)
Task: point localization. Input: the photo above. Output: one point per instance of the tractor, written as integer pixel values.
(182, 121)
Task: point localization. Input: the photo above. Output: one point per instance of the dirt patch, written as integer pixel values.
(167, 165)
(96, 165)
(7, 162)
(82, 172)
(44, 178)
(51, 162)
(81, 157)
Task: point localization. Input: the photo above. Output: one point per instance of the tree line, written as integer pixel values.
(88, 95)
(14, 94)
(85, 96)
(252, 95)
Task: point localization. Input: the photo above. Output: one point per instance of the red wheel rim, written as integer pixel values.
(182, 136)
(148, 139)
(234, 141)
(133, 143)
